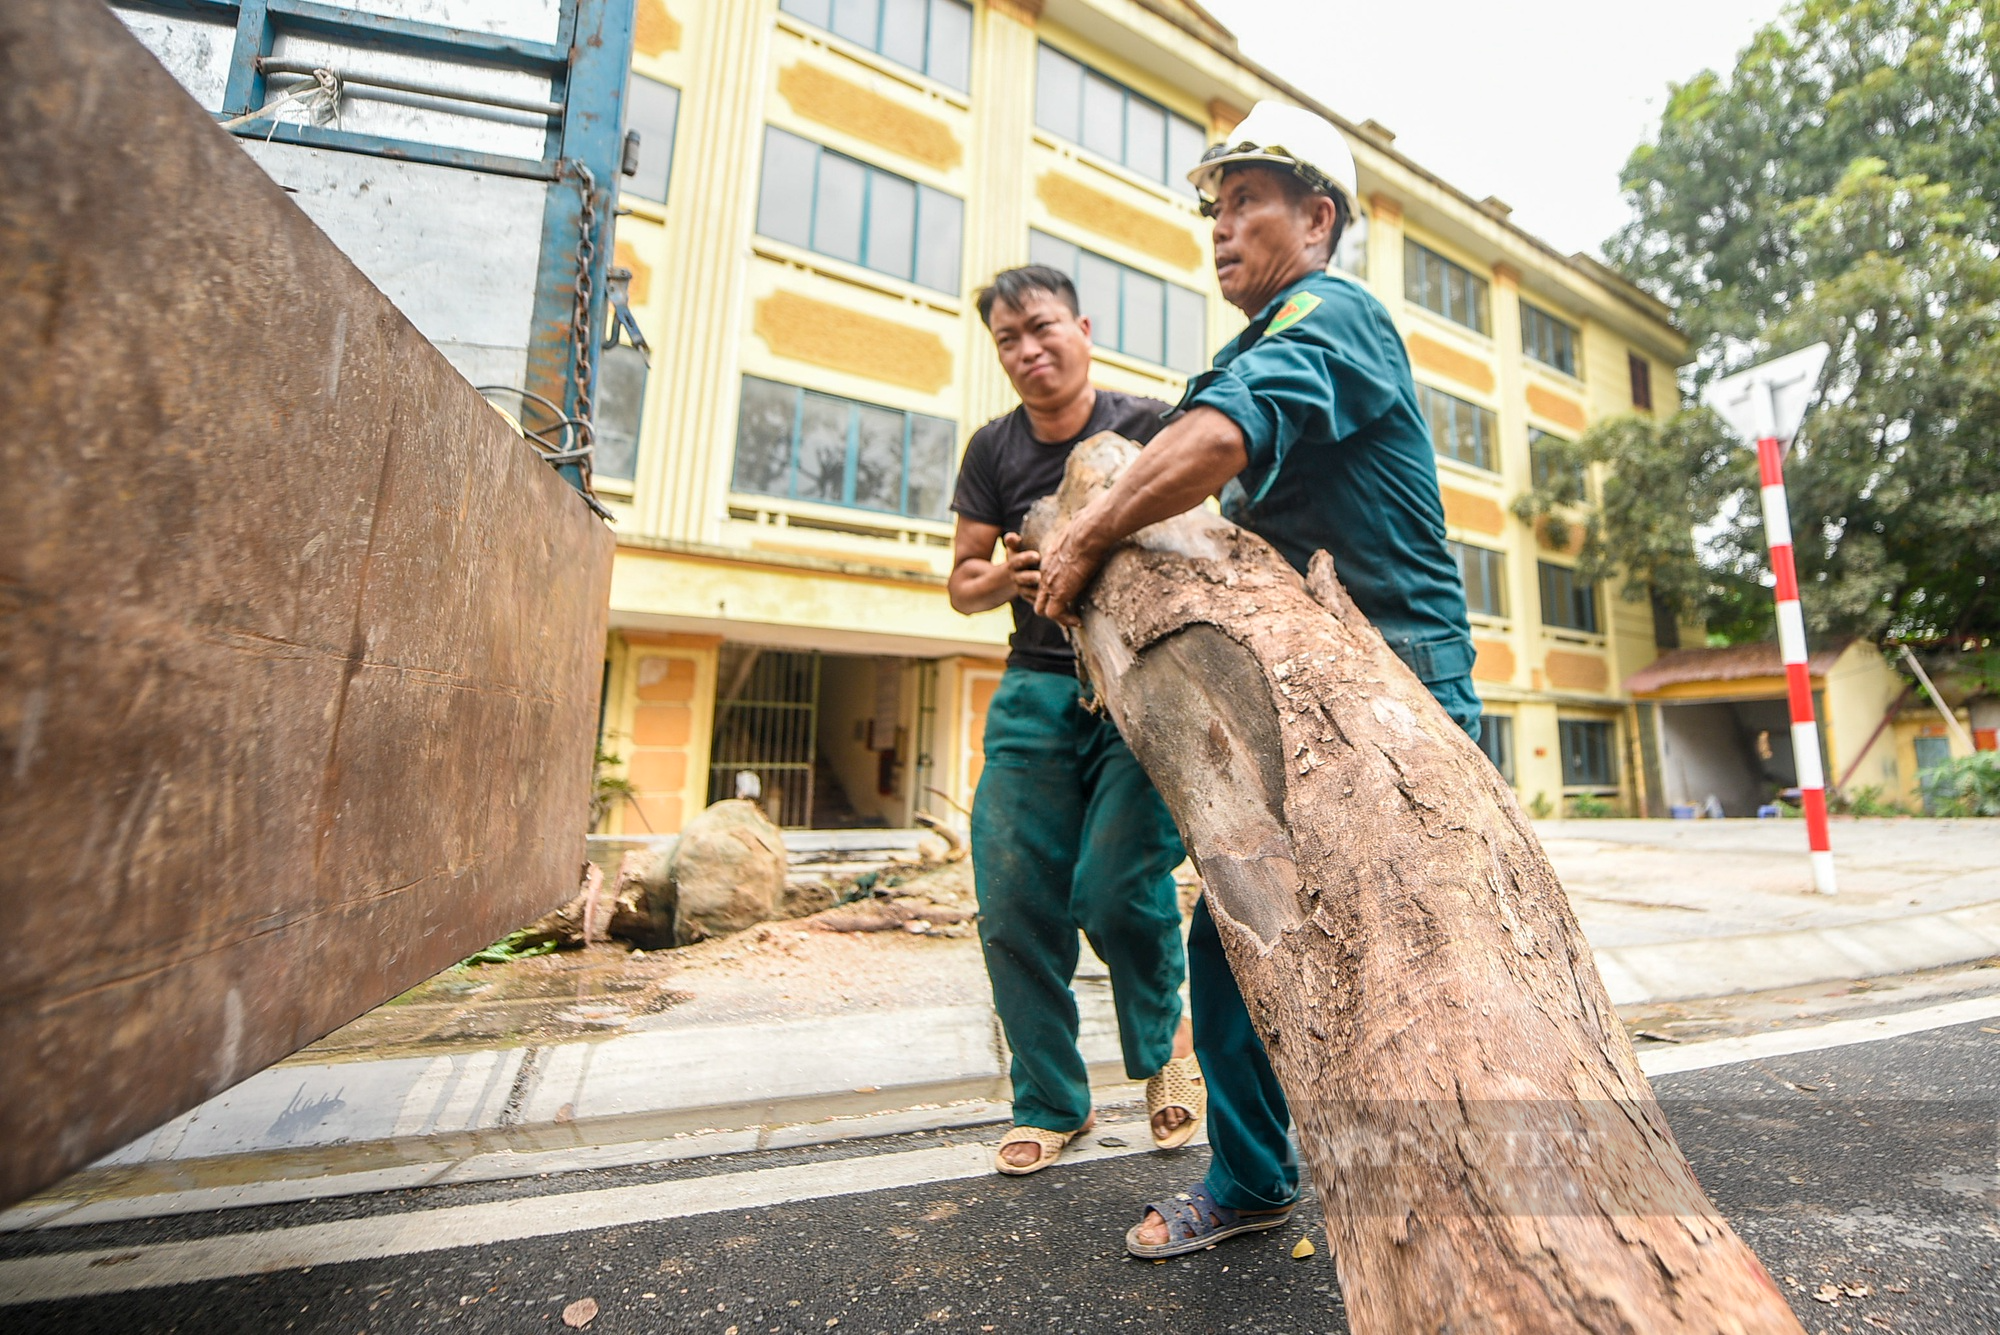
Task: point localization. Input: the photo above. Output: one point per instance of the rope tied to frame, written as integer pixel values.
(318, 96)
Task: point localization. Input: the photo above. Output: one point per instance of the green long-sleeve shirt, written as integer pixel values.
(1341, 459)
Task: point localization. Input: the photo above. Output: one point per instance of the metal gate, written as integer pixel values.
(767, 722)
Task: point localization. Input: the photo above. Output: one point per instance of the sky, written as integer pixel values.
(1539, 102)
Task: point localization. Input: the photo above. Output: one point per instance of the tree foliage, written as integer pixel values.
(1841, 183)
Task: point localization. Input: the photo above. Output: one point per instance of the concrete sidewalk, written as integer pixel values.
(782, 1028)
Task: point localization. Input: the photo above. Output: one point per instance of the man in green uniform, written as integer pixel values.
(1067, 832)
(1308, 428)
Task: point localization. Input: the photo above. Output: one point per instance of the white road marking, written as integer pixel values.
(122, 1269)
(1839, 1034)
(118, 1270)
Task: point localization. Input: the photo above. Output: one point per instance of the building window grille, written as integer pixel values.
(1586, 753)
(838, 206)
(653, 110)
(1444, 288)
(1550, 341)
(767, 722)
(808, 446)
(1568, 603)
(1484, 572)
(1642, 381)
(1459, 430)
(933, 37)
(1496, 739)
(1550, 462)
(621, 401)
(1130, 311)
(1075, 102)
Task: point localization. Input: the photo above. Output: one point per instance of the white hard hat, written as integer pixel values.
(1285, 136)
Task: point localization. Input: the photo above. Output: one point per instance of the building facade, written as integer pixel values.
(822, 185)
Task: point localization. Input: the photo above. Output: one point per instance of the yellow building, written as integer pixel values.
(822, 185)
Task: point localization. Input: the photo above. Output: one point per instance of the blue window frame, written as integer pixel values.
(653, 109)
(1075, 102)
(808, 446)
(1484, 572)
(933, 37)
(1568, 603)
(1459, 430)
(843, 207)
(1443, 288)
(1131, 311)
(1587, 747)
(1550, 341)
(1496, 739)
(1547, 467)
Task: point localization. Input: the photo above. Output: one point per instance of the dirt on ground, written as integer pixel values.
(856, 943)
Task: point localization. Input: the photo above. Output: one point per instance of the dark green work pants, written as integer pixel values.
(1068, 833)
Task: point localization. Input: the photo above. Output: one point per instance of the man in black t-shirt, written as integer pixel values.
(1067, 831)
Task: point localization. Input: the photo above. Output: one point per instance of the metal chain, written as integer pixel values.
(582, 363)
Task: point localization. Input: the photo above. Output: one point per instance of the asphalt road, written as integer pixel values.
(1865, 1176)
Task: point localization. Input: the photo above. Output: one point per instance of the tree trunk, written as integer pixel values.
(1488, 1153)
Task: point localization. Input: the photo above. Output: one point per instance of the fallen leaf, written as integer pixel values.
(1112, 1141)
(1302, 1249)
(1895, 1288)
(1880, 1323)
(1984, 1029)
(1828, 1294)
(1856, 1290)
(580, 1313)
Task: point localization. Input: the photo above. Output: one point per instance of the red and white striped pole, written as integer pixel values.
(1792, 648)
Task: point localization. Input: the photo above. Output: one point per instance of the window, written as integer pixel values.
(1568, 603)
(1444, 288)
(1077, 103)
(1351, 255)
(651, 109)
(1549, 461)
(621, 400)
(1496, 739)
(1642, 381)
(819, 447)
(1484, 573)
(830, 203)
(1586, 753)
(1132, 312)
(933, 37)
(1550, 341)
(1459, 430)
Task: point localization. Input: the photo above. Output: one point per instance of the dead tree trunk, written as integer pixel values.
(1488, 1153)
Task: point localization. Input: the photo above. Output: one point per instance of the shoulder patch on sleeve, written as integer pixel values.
(1293, 311)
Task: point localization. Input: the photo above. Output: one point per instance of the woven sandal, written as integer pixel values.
(1178, 1085)
(1195, 1222)
(1052, 1143)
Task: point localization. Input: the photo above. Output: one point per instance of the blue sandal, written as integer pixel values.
(1197, 1221)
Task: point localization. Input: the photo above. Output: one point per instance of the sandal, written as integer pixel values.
(1052, 1143)
(1196, 1221)
(1178, 1084)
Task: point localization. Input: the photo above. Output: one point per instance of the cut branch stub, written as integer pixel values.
(1488, 1153)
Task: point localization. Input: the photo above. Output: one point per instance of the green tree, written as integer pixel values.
(1840, 184)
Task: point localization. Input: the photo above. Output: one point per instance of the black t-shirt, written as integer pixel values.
(1006, 470)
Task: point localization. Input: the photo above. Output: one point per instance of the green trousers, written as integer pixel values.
(1068, 834)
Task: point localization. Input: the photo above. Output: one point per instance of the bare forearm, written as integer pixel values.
(1184, 465)
(979, 586)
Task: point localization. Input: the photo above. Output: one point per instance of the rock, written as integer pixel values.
(728, 871)
(640, 906)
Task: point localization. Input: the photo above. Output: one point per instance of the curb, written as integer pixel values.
(1725, 965)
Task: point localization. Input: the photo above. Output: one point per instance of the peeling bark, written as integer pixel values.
(1489, 1155)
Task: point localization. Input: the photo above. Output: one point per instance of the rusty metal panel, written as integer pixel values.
(299, 644)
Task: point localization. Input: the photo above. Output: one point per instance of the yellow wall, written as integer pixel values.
(719, 301)
(660, 717)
